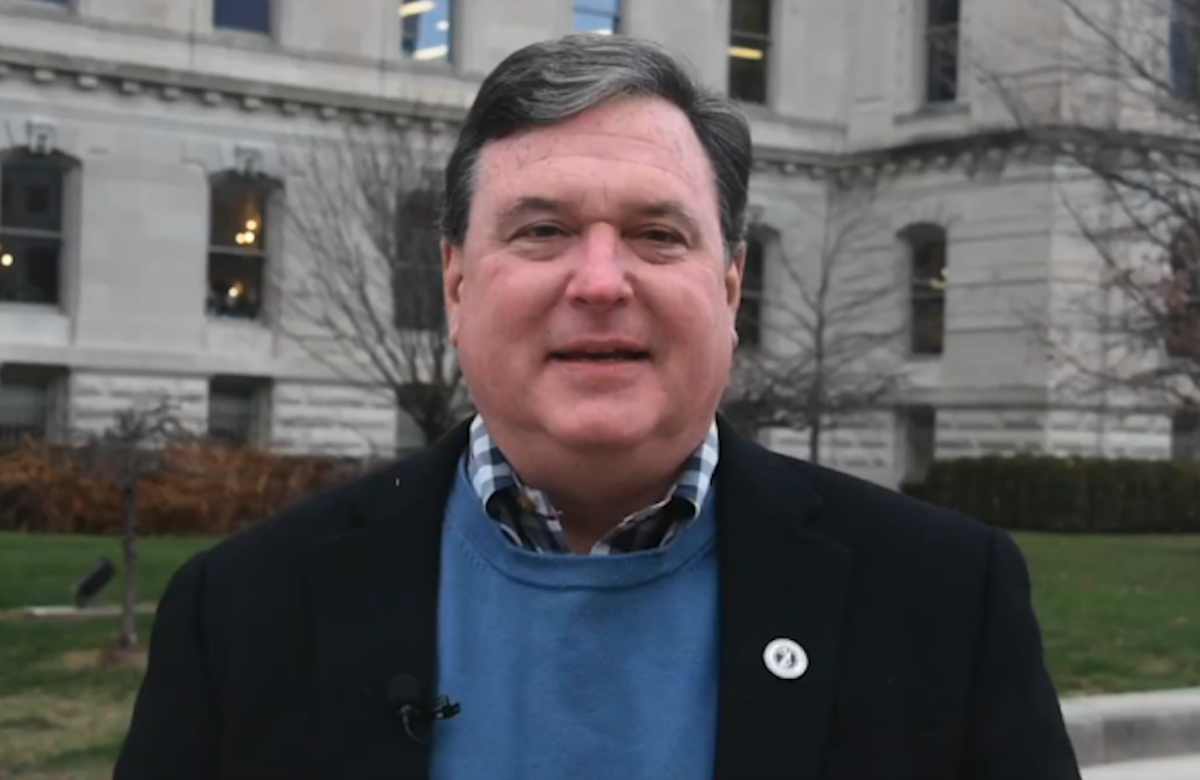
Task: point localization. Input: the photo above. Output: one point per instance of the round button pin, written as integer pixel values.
(785, 659)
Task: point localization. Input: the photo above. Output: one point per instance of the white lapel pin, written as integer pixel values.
(785, 659)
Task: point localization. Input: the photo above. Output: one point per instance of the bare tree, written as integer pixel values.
(130, 451)
(825, 340)
(365, 296)
(1124, 146)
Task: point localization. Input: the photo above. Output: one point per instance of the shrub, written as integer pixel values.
(202, 489)
(1068, 495)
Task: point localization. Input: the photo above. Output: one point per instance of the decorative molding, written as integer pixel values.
(218, 91)
(983, 153)
(41, 136)
(248, 159)
(943, 212)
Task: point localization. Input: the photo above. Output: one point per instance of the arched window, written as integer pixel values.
(1183, 50)
(417, 298)
(31, 227)
(749, 49)
(927, 287)
(1182, 297)
(942, 22)
(1185, 434)
(750, 310)
(239, 223)
(425, 30)
(598, 16)
(246, 15)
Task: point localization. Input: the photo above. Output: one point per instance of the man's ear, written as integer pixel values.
(733, 278)
(452, 280)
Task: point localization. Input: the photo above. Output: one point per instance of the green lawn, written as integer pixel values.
(1118, 614)
(61, 718)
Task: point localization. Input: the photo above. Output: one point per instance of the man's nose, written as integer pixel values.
(601, 277)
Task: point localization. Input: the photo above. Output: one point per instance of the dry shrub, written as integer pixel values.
(200, 489)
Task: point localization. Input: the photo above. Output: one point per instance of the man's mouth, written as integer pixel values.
(601, 356)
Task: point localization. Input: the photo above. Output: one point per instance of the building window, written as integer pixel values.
(31, 228)
(247, 15)
(749, 49)
(920, 442)
(237, 253)
(1183, 62)
(238, 410)
(927, 288)
(418, 302)
(598, 16)
(30, 404)
(941, 50)
(1182, 293)
(749, 315)
(425, 29)
(1185, 435)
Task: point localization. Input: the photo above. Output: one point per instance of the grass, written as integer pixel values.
(61, 717)
(37, 570)
(1117, 614)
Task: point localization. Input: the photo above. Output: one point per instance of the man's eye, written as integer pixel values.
(662, 236)
(543, 231)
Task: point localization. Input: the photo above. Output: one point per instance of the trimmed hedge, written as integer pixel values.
(202, 489)
(1068, 495)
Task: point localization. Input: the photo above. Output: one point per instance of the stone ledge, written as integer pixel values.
(1128, 727)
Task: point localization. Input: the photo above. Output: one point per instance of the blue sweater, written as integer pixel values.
(574, 667)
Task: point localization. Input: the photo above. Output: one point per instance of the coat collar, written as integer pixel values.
(375, 596)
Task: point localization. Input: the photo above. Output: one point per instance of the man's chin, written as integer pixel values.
(587, 427)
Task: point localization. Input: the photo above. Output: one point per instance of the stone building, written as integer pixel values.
(123, 122)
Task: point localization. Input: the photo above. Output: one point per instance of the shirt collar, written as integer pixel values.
(494, 478)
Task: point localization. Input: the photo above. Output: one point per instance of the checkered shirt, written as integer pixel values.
(529, 520)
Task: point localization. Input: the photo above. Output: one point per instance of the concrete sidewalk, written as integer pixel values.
(1178, 768)
(1134, 727)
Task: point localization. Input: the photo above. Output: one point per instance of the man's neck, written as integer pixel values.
(585, 522)
(595, 491)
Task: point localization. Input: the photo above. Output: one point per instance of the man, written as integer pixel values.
(605, 577)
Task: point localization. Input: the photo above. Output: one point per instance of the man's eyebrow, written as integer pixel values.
(668, 209)
(527, 204)
(671, 209)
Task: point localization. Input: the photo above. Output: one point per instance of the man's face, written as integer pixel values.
(592, 302)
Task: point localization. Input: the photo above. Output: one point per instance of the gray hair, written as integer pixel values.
(553, 81)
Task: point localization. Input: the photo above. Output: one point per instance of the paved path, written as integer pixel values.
(1181, 768)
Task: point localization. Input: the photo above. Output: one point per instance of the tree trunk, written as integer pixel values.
(814, 440)
(128, 637)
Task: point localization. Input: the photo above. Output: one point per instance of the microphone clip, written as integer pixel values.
(415, 716)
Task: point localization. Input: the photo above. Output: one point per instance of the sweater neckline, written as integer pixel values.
(482, 537)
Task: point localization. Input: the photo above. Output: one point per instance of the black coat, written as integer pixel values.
(272, 652)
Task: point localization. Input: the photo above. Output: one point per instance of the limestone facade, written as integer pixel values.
(146, 101)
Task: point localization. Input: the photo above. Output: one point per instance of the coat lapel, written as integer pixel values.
(375, 592)
(779, 580)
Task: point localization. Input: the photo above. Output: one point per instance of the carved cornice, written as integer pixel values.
(172, 86)
(978, 155)
(982, 155)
